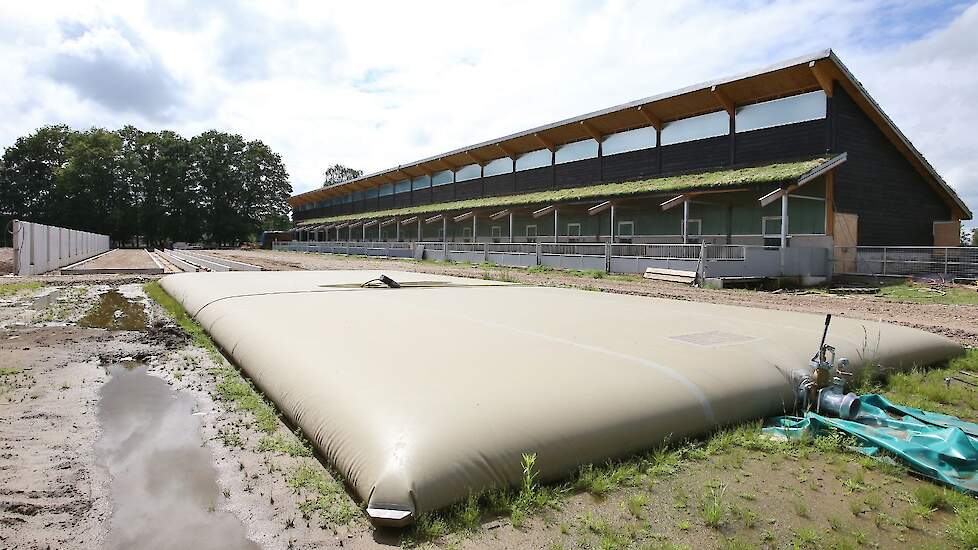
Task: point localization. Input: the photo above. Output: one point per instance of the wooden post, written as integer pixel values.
(511, 226)
(784, 219)
(556, 232)
(685, 221)
(830, 204)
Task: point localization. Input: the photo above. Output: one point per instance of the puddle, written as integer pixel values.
(115, 312)
(164, 485)
(43, 302)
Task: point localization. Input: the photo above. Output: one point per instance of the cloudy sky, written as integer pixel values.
(375, 84)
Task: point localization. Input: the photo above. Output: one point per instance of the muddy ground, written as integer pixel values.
(6, 260)
(56, 490)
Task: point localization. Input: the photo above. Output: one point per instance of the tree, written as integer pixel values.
(266, 185)
(338, 173)
(29, 171)
(92, 189)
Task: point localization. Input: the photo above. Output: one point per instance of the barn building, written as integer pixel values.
(794, 155)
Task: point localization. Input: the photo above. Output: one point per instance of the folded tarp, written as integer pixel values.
(424, 394)
(941, 447)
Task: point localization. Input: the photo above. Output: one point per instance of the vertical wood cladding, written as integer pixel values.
(402, 200)
(534, 179)
(468, 189)
(578, 173)
(383, 203)
(702, 154)
(632, 165)
(790, 141)
(443, 193)
(895, 204)
(500, 184)
(421, 196)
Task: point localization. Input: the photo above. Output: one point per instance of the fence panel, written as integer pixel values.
(907, 261)
(40, 248)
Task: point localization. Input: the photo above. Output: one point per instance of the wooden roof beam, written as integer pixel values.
(822, 76)
(506, 151)
(388, 222)
(592, 131)
(370, 223)
(547, 144)
(725, 101)
(463, 217)
(500, 215)
(649, 117)
(676, 201)
(412, 219)
(599, 208)
(544, 211)
(435, 218)
(474, 158)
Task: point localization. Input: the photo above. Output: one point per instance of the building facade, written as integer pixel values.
(797, 154)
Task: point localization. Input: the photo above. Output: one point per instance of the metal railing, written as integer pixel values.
(573, 249)
(909, 261)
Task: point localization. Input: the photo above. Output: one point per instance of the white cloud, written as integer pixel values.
(372, 84)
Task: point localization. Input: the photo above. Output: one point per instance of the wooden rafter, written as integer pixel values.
(597, 209)
(675, 201)
(592, 131)
(474, 158)
(388, 222)
(547, 144)
(725, 101)
(435, 218)
(370, 223)
(544, 211)
(412, 219)
(506, 151)
(500, 215)
(821, 75)
(463, 217)
(653, 120)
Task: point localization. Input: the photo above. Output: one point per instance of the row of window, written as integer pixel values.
(778, 112)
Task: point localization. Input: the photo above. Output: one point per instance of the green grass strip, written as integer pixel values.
(709, 180)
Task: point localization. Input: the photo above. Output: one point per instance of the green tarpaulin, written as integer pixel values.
(938, 446)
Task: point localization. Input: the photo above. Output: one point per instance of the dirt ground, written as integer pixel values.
(6, 260)
(55, 493)
(121, 258)
(954, 321)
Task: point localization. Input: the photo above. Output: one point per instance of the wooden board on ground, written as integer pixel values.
(671, 275)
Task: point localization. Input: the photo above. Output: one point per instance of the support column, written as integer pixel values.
(475, 236)
(380, 232)
(363, 233)
(556, 231)
(784, 220)
(419, 229)
(511, 226)
(612, 224)
(444, 233)
(397, 229)
(685, 221)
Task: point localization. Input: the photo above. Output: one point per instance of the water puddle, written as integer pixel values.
(115, 312)
(164, 485)
(43, 302)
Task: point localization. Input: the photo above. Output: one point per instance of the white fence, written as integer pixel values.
(40, 248)
(908, 261)
(709, 260)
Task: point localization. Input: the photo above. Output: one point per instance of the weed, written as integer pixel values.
(964, 529)
(836, 524)
(806, 537)
(10, 371)
(713, 509)
(600, 480)
(683, 525)
(285, 444)
(939, 498)
(636, 503)
(328, 499)
(801, 509)
(873, 502)
(747, 516)
(539, 268)
(925, 294)
(855, 507)
(230, 438)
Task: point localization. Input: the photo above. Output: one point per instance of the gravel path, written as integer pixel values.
(959, 322)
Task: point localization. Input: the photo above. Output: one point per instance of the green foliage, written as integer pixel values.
(285, 444)
(726, 178)
(156, 184)
(327, 498)
(9, 289)
(10, 371)
(926, 294)
(339, 173)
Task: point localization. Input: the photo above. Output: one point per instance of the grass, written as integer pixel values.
(326, 497)
(927, 294)
(926, 388)
(287, 444)
(771, 173)
(9, 289)
(183, 320)
(10, 371)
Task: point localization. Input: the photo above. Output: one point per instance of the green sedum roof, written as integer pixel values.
(770, 173)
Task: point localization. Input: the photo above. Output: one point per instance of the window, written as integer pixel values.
(498, 166)
(573, 230)
(402, 186)
(468, 172)
(632, 140)
(694, 227)
(626, 229)
(531, 231)
(697, 127)
(441, 233)
(386, 190)
(496, 232)
(534, 159)
(439, 178)
(466, 232)
(771, 226)
(788, 110)
(578, 150)
(372, 193)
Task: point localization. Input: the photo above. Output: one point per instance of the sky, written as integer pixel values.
(376, 84)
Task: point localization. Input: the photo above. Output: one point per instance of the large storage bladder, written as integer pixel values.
(423, 394)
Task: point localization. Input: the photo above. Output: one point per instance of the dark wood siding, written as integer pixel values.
(500, 184)
(702, 154)
(632, 165)
(791, 141)
(442, 193)
(895, 205)
(468, 189)
(402, 199)
(384, 203)
(421, 196)
(578, 173)
(534, 179)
